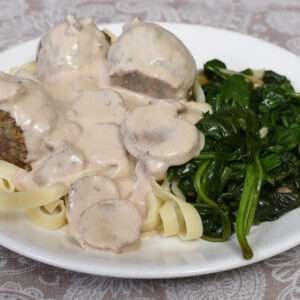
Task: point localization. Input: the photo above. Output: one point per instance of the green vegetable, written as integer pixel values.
(249, 169)
(235, 91)
(203, 179)
(248, 204)
(274, 203)
(271, 77)
(215, 70)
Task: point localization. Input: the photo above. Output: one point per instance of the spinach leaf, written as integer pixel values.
(287, 138)
(271, 77)
(235, 91)
(275, 202)
(211, 91)
(200, 180)
(214, 70)
(248, 72)
(273, 97)
(248, 204)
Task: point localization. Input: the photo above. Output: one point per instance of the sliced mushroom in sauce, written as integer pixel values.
(155, 135)
(60, 164)
(97, 216)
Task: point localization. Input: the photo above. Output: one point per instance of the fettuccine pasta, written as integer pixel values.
(33, 198)
(152, 220)
(172, 214)
(50, 219)
(169, 219)
(43, 205)
(7, 173)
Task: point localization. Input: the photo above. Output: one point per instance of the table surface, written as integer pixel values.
(277, 21)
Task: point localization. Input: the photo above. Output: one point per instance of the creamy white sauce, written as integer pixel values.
(81, 131)
(84, 139)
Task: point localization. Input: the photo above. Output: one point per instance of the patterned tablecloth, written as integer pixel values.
(278, 278)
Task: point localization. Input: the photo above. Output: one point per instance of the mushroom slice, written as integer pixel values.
(84, 193)
(110, 224)
(104, 105)
(64, 162)
(157, 136)
(87, 191)
(98, 219)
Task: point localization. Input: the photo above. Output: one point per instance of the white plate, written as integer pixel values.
(157, 257)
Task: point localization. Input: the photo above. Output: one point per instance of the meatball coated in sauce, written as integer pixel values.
(32, 109)
(148, 59)
(72, 58)
(71, 46)
(12, 142)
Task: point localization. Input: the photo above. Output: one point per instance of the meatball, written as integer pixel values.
(12, 143)
(148, 59)
(72, 59)
(71, 46)
(33, 110)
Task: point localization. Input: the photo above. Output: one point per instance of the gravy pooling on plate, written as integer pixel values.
(105, 119)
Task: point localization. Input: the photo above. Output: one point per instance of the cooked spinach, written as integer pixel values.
(215, 70)
(249, 169)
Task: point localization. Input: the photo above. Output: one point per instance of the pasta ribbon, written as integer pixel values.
(53, 218)
(7, 173)
(43, 205)
(152, 219)
(169, 219)
(175, 215)
(33, 198)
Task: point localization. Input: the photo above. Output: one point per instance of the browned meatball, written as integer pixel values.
(12, 143)
(148, 59)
